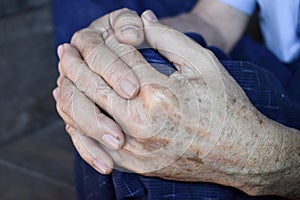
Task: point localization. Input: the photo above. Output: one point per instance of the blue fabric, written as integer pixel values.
(251, 51)
(72, 15)
(264, 88)
(293, 88)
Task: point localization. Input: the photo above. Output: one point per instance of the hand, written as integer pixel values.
(196, 125)
(84, 118)
(79, 112)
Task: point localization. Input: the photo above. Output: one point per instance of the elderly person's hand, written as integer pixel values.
(78, 112)
(196, 125)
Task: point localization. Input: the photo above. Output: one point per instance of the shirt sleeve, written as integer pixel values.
(244, 6)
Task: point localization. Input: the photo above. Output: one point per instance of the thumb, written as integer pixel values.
(185, 54)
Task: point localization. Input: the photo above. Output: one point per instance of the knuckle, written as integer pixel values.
(101, 117)
(97, 56)
(66, 101)
(88, 83)
(88, 130)
(211, 58)
(69, 129)
(127, 53)
(209, 53)
(71, 66)
(113, 71)
(76, 36)
(123, 50)
(119, 48)
(94, 58)
(103, 91)
(86, 40)
(82, 80)
(88, 52)
(79, 35)
(122, 10)
(125, 9)
(66, 60)
(128, 11)
(125, 16)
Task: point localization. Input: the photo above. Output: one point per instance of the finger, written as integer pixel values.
(177, 47)
(105, 62)
(129, 29)
(88, 82)
(125, 24)
(88, 148)
(91, 151)
(69, 121)
(64, 116)
(133, 58)
(88, 117)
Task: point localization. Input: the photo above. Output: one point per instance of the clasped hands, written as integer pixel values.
(121, 112)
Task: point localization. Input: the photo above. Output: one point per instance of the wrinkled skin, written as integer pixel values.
(196, 125)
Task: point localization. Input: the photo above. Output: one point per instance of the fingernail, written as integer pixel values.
(56, 93)
(60, 51)
(130, 30)
(111, 141)
(128, 87)
(150, 16)
(100, 166)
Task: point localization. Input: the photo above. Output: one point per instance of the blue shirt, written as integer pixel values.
(279, 24)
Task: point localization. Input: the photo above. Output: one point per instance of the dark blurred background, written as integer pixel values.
(35, 152)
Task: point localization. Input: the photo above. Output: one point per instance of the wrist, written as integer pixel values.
(256, 154)
(285, 179)
(272, 161)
